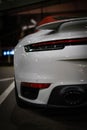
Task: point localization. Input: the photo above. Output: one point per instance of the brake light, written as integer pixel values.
(61, 41)
(35, 85)
(54, 45)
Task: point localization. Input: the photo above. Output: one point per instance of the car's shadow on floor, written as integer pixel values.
(52, 118)
(55, 113)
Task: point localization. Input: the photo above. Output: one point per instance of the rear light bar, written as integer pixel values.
(54, 45)
(35, 85)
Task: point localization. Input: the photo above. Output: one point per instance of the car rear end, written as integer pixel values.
(51, 66)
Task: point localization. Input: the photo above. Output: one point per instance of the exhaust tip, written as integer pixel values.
(73, 95)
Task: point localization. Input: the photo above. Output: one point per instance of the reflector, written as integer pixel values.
(35, 85)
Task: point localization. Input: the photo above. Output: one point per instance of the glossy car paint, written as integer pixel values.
(67, 66)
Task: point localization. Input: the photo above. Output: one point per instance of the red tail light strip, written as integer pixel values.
(79, 40)
(54, 45)
(35, 85)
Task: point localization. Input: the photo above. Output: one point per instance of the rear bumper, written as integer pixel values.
(70, 96)
(49, 106)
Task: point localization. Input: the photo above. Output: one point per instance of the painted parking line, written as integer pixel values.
(6, 79)
(5, 94)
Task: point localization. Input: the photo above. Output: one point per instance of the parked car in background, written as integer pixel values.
(50, 65)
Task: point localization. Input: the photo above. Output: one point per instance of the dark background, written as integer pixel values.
(15, 14)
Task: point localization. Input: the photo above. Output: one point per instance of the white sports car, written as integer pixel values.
(50, 65)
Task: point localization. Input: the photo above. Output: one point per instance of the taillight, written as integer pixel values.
(35, 85)
(54, 45)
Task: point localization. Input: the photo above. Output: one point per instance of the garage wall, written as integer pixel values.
(77, 7)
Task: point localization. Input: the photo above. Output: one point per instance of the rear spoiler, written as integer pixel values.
(54, 24)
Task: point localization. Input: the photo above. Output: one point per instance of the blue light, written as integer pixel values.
(12, 52)
(8, 52)
(4, 53)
